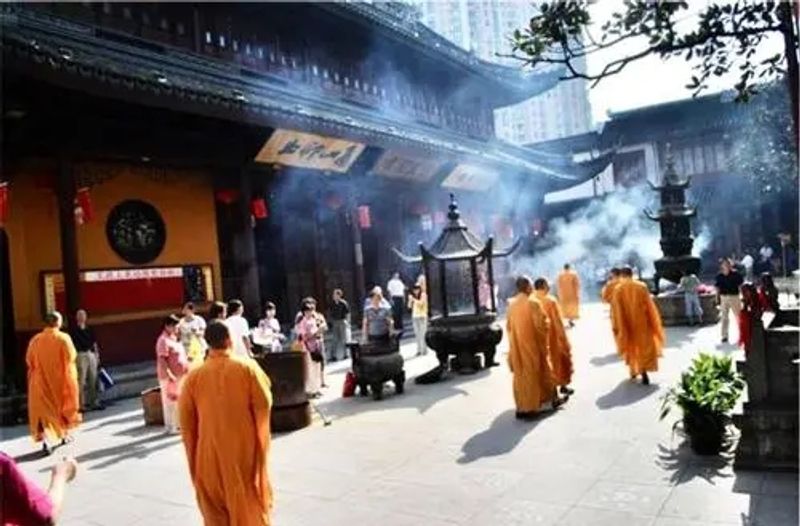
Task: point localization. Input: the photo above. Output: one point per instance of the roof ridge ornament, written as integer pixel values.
(453, 214)
(671, 176)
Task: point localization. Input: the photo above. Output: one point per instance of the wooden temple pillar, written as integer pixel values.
(70, 268)
(359, 285)
(237, 247)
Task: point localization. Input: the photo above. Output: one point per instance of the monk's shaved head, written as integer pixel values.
(616, 272)
(626, 272)
(53, 319)
(524, 284)
(217, 335)
(541, 284)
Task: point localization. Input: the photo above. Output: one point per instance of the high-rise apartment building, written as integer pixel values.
(485, 27)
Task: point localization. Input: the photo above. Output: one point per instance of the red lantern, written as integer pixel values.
(3, 203)
(258, 208)
(364, 219)
(227, 196)
(83, 202)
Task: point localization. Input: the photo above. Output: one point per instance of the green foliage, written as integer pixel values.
(710, 387)
(726, 38)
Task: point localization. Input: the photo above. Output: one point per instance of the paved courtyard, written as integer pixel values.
(450, 454)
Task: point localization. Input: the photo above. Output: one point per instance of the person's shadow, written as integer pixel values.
(503, 435)
(599, 361)
(625, 393)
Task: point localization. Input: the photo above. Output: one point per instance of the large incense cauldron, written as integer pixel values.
(461, 301)
(287, 373)
(674, 217)
(376, 363)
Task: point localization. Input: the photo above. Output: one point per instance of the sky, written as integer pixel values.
(649, 80)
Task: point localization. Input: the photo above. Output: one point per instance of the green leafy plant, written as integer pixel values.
(707, 393)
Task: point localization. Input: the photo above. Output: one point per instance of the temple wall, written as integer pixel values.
(185, 201)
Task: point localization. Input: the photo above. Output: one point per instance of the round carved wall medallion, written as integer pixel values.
(136, 231)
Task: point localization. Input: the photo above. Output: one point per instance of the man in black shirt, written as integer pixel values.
(340, 318)
(728, 282)
(86, 345)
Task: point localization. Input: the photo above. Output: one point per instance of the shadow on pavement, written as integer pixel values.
(139, 431)
(135, 416)
(419, 397)
(599, 361)
(137, 449)
(31, 457)
(503, 435)
(625, 393)
(682, 335)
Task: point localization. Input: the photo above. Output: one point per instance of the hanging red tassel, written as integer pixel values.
(364, 219)
(84, 202)
(258, 207)
(3, 203)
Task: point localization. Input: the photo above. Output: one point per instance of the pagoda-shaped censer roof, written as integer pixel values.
(673, 196)
(457, 242)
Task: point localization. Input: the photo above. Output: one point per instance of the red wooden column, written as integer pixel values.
(65, 195)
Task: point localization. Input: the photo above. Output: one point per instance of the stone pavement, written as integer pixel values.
(450, 454)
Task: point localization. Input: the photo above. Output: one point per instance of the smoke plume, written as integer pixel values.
(609, 231)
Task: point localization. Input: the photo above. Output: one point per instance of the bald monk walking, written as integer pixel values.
(53, 394)
(611, 285)
(559, 349)
(534, 387)
(224, 410)
(637, 326)
(569, 294)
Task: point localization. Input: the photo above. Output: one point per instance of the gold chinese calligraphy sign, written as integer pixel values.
(306, 150)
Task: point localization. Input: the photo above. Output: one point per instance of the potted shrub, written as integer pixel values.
(707, 393)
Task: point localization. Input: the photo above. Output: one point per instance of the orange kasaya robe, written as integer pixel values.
(608, 290)
(559, 349)
(637, 326)
(527, 325)
(569, 293)
(224, 412)
(53, 394)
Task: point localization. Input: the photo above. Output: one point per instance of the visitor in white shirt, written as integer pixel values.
(397, 292)
(240, 331)
(747, 262)
(765, 252)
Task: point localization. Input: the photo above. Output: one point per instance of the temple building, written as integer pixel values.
(701, 135)
(158, 153)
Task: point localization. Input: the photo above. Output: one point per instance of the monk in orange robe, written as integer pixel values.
(526, 325)
(559, 349)
(224, 410)
(637, 326)
(569, 294)
(611, 285)
(53, 394)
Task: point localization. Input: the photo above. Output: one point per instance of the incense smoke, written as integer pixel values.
(609, 231)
